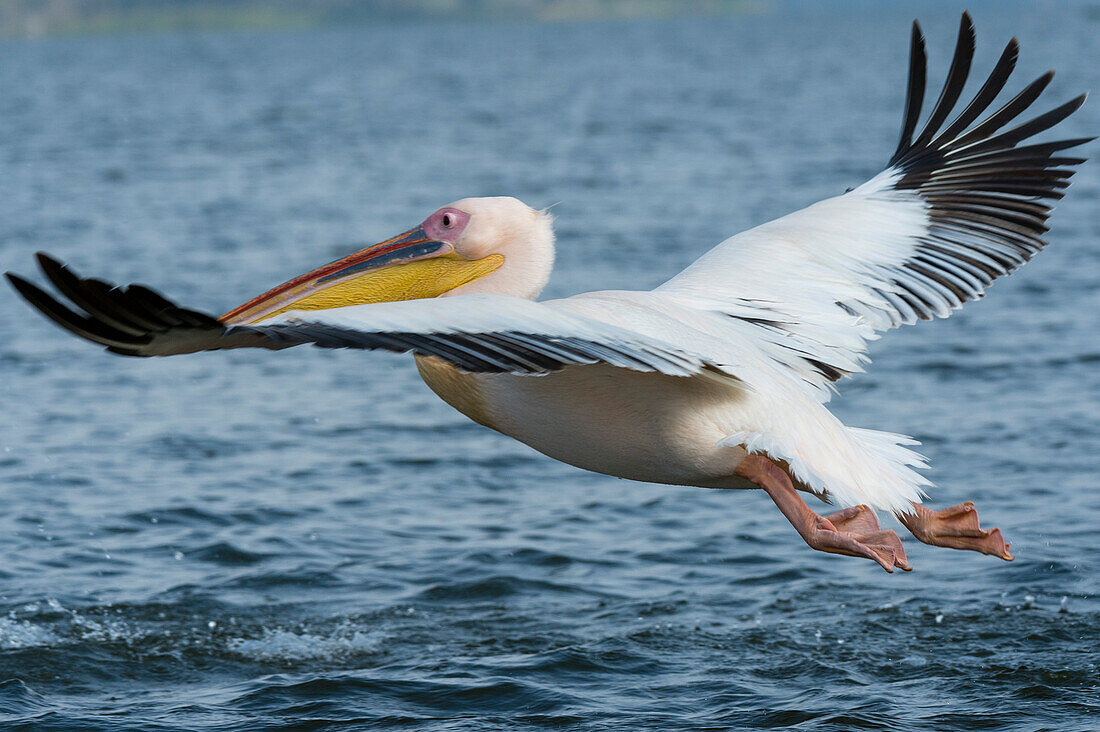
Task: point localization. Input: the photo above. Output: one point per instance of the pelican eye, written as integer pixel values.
(448, 220)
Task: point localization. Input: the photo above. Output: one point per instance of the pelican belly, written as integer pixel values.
(643, 426)
(459, 389)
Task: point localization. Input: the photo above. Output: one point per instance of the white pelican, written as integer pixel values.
(719, 377)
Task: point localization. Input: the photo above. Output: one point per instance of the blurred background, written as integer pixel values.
(311, 538)
(36, 18)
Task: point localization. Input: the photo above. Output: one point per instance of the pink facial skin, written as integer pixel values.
(446, 224)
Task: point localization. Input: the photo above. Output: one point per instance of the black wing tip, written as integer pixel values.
(56, 271)
(21, 284)
(965, 131)
(128, 321)
(29, 291)
(52, 267)
(966, 28)
(914, 92)
(48, 262)
(1076, 103)
(953, 85)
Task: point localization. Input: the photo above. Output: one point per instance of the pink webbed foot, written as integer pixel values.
(856, 532)
(851, 531)
(956, 528)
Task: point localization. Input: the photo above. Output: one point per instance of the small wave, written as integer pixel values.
(309, 576)
(495, 588)
(346, 696)
(184, 446)
(226, 554)
(18, 698)
(179, 515)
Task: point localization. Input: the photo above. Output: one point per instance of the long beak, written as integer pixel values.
(369, 275)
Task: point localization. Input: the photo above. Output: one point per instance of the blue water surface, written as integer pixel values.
(229, 541)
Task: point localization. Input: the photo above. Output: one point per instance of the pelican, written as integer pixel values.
(718, 378)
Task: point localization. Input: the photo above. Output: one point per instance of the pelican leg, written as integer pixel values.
(956, 528)
(851, 531)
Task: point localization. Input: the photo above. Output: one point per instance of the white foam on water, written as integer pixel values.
(16, 634)
(284, 645)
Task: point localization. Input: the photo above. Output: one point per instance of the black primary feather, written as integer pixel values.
(989, 199)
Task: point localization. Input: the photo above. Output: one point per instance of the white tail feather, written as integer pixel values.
(856, 466)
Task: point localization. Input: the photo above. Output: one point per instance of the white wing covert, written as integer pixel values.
(955, 209)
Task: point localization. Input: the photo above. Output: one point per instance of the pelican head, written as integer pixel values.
(498, 245)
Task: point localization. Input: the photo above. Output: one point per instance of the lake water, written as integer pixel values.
(310, 538)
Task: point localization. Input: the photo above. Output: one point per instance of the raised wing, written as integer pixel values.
(957, 207)
(477, 333)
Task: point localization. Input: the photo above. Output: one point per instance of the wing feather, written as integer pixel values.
(954, 210)
(477, 333)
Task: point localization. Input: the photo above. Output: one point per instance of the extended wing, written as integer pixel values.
(478, 333)
(958, 206)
